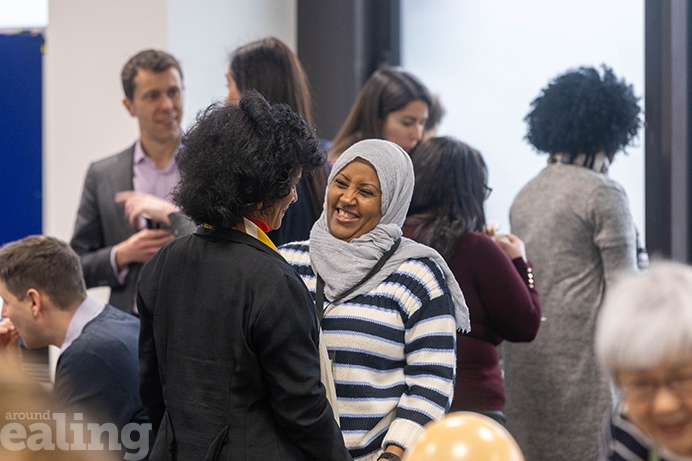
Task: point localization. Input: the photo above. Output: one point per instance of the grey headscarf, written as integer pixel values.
(343, 264)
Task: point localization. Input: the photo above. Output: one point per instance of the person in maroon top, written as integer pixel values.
(447, 214)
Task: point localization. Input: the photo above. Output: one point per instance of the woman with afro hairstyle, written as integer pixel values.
(447, 214)
(579, 233)
(229, 336)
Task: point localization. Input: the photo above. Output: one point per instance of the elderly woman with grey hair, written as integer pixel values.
(644, 342)
(390, 306)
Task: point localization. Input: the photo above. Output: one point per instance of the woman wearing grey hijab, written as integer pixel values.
(391, 307)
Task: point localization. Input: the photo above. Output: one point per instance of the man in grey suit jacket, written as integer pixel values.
(125, 214)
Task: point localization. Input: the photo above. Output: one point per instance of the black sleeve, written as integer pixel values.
(285, 336)
(150, 390)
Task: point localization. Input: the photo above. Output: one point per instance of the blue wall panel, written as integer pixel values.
(21, 75)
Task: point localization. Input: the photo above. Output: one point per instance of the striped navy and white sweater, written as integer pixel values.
(394, 354)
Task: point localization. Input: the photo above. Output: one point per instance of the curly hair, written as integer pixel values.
(238, 156)
(583, 112)
(387, 90)
(450, 190)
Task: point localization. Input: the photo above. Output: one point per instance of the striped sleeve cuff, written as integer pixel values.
(404, 433)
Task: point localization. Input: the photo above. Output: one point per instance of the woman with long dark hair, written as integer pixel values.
(270, 67)
(392, 105)
(447, 214)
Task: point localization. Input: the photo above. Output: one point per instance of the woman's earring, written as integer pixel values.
(259, 206)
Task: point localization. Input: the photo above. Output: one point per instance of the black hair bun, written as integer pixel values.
(259, 111)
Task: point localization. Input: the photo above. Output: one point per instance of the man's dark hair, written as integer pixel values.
(584, 112)
(152, 60)
(236, 157)
(46, 264)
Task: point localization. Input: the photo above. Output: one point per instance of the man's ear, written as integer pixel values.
(37, 301)
(127, 102)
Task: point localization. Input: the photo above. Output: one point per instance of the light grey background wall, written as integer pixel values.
(488, 59)
(202, 34)
(26, 14)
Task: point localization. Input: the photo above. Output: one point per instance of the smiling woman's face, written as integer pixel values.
(354, 201)
(659, 402)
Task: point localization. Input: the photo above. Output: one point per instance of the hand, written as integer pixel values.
(511, 245)
(9, 336)
(137, 204)
(395, 449)
(140, 247)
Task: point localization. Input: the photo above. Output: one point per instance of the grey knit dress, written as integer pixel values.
(579, 233)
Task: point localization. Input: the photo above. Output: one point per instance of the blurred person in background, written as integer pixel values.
(125, 214)
(446, 213)
(270, 67)
(579, 233)
(44, 302)
(644, 343)
(392, 105)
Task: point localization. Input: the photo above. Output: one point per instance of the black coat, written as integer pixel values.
(229, 365)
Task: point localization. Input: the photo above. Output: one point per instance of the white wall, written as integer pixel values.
(201, 34)
(24, 14)
(87, 43)
(489, 59)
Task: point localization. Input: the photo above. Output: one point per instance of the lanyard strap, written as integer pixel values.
(319, 292)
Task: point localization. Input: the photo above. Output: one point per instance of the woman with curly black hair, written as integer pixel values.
(579, 233)
(229, 337)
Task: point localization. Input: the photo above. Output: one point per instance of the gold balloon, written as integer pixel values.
(465, 436)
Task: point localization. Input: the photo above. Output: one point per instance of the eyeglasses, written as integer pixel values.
(488, 190)
(644, 391)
